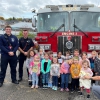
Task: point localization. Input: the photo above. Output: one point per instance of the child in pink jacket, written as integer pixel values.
(65, 70)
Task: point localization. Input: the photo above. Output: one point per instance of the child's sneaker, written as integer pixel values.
(30, 80)
(32, 86)
(78, 90)
(36, 86)
(88, 96)
(72, 91)
(66, 89)
(61, 89)
(81, 93)
(46, 86)
(30, 83)
(50, 85)
(43, 86)
(55, 88)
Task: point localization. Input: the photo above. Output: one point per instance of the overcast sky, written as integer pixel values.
(22, 8)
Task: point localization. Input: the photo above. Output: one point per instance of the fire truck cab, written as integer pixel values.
(68, 27)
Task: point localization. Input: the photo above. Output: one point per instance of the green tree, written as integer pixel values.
(2, 18)
(9, 19)
(19, 19)
(14, 18)
(30, 35)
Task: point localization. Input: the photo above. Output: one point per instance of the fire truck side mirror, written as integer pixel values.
(34, 22)
(33, 10)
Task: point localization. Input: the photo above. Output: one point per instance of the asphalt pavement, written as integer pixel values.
(22, 91)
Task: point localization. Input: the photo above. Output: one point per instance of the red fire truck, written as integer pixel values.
(68, 27)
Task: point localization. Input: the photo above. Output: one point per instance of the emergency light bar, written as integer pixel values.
(85, 7)
(71, 5)
(53, 8)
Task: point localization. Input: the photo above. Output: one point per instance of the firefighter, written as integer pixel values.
(9, 46)
(25, 44)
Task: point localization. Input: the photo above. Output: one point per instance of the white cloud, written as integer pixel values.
(22, 8)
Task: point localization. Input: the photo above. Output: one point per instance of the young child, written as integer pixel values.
(29, 59)
(76, 54)
(70, 78)
(84, 57)
(60, 59)
(55, 72)
(45, 70)
(50, 55)
(92, 60)
(85, 83)
(50, 78)
(97, 65)
(68, 55)
(35, 71)
(41, 54)
(75, 70)
(65, 70)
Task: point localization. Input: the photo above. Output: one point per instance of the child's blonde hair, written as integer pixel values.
(76, 50)
(71, 59)
(76, 58)
(37, 56)
(42, 50)
(56, 58)
(94, 52)
(85, 61)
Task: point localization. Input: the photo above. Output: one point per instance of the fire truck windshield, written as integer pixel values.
(49, 22)
(86, 21)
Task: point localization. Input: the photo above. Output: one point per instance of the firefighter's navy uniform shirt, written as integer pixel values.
(25, 44)
(5, 40)
(4, 45)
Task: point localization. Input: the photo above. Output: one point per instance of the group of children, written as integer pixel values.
(66, 72)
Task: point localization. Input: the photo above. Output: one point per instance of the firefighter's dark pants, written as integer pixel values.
(12, 60)
(22, 58)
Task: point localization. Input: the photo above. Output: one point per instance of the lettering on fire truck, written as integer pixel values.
(71, 33)
(69, 8)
